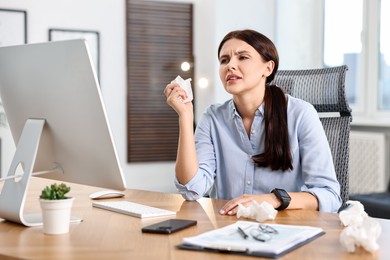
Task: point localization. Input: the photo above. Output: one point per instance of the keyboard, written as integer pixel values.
(133, 209)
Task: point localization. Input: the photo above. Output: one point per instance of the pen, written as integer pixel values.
(242, 233)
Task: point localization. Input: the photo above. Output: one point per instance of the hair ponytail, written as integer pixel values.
(277, 153)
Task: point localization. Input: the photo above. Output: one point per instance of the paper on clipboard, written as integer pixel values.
(228, 239)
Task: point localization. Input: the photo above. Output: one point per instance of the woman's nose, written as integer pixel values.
(231, 66)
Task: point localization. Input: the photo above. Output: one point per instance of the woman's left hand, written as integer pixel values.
(231, 207)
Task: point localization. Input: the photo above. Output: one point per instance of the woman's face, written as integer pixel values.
(242, 69)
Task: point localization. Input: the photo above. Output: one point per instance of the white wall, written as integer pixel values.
(299, 33)
(106, 17)
(212, 20)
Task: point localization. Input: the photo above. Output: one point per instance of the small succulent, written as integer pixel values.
(55, 192)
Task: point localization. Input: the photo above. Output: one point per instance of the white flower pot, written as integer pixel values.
(56, 215)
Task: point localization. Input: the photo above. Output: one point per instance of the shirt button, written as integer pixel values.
(248, 183)
(253, 132)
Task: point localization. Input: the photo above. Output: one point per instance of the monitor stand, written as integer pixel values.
(13, 194)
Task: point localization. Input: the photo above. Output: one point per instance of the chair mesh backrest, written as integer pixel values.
(325, 89)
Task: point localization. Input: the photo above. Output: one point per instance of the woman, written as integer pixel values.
(261, 145)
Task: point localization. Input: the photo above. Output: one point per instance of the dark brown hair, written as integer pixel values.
(277, 154)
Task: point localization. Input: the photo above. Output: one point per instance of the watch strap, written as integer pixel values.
(283, 197)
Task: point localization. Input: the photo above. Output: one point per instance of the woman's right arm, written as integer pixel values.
(186, 161)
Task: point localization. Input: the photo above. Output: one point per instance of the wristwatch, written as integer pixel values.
(283, 196)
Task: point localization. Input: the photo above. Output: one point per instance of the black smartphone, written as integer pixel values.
(169, 226)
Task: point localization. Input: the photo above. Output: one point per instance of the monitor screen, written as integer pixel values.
(56, 81)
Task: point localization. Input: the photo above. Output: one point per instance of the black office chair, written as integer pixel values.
(375, 204)
(325, 89)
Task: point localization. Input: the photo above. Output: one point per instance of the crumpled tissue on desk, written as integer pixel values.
(260, 212)
(360, 229)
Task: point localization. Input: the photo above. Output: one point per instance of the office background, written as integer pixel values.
(295, 26)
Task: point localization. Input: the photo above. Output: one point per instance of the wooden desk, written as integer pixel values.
(108, 235)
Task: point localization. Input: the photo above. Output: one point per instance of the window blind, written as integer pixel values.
(159, 39)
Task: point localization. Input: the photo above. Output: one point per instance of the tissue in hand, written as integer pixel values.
(186, 85)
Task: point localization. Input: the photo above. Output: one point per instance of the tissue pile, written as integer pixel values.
(260, 212)
(360, 229)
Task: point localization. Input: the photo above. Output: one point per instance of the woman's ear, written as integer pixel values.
(269, 68)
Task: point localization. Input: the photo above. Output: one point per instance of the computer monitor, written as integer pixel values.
(52, 87)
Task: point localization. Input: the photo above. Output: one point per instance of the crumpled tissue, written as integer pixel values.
(260, 212)
(186, 85)
(360, 229)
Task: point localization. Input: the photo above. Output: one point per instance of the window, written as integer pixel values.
(343, 41)
(357, 33)
(384, 60)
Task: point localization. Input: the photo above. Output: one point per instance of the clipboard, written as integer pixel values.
(291, 237)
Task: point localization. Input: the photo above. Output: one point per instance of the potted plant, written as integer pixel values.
(56, 208)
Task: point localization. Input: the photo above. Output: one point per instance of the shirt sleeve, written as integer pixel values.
(203, 180)
(318, 170)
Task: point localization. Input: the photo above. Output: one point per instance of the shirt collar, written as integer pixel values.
(234, 112)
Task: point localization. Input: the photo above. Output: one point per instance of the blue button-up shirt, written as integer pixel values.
(226, 169)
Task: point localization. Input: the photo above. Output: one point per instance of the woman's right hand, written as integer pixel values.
(175, 96)
(186, 160)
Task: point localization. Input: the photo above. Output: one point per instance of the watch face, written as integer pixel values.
(284, 194)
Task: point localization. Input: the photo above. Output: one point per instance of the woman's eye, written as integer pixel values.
(243, 57)
(223, 61)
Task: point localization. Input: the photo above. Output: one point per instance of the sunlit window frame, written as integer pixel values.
(366, 110)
